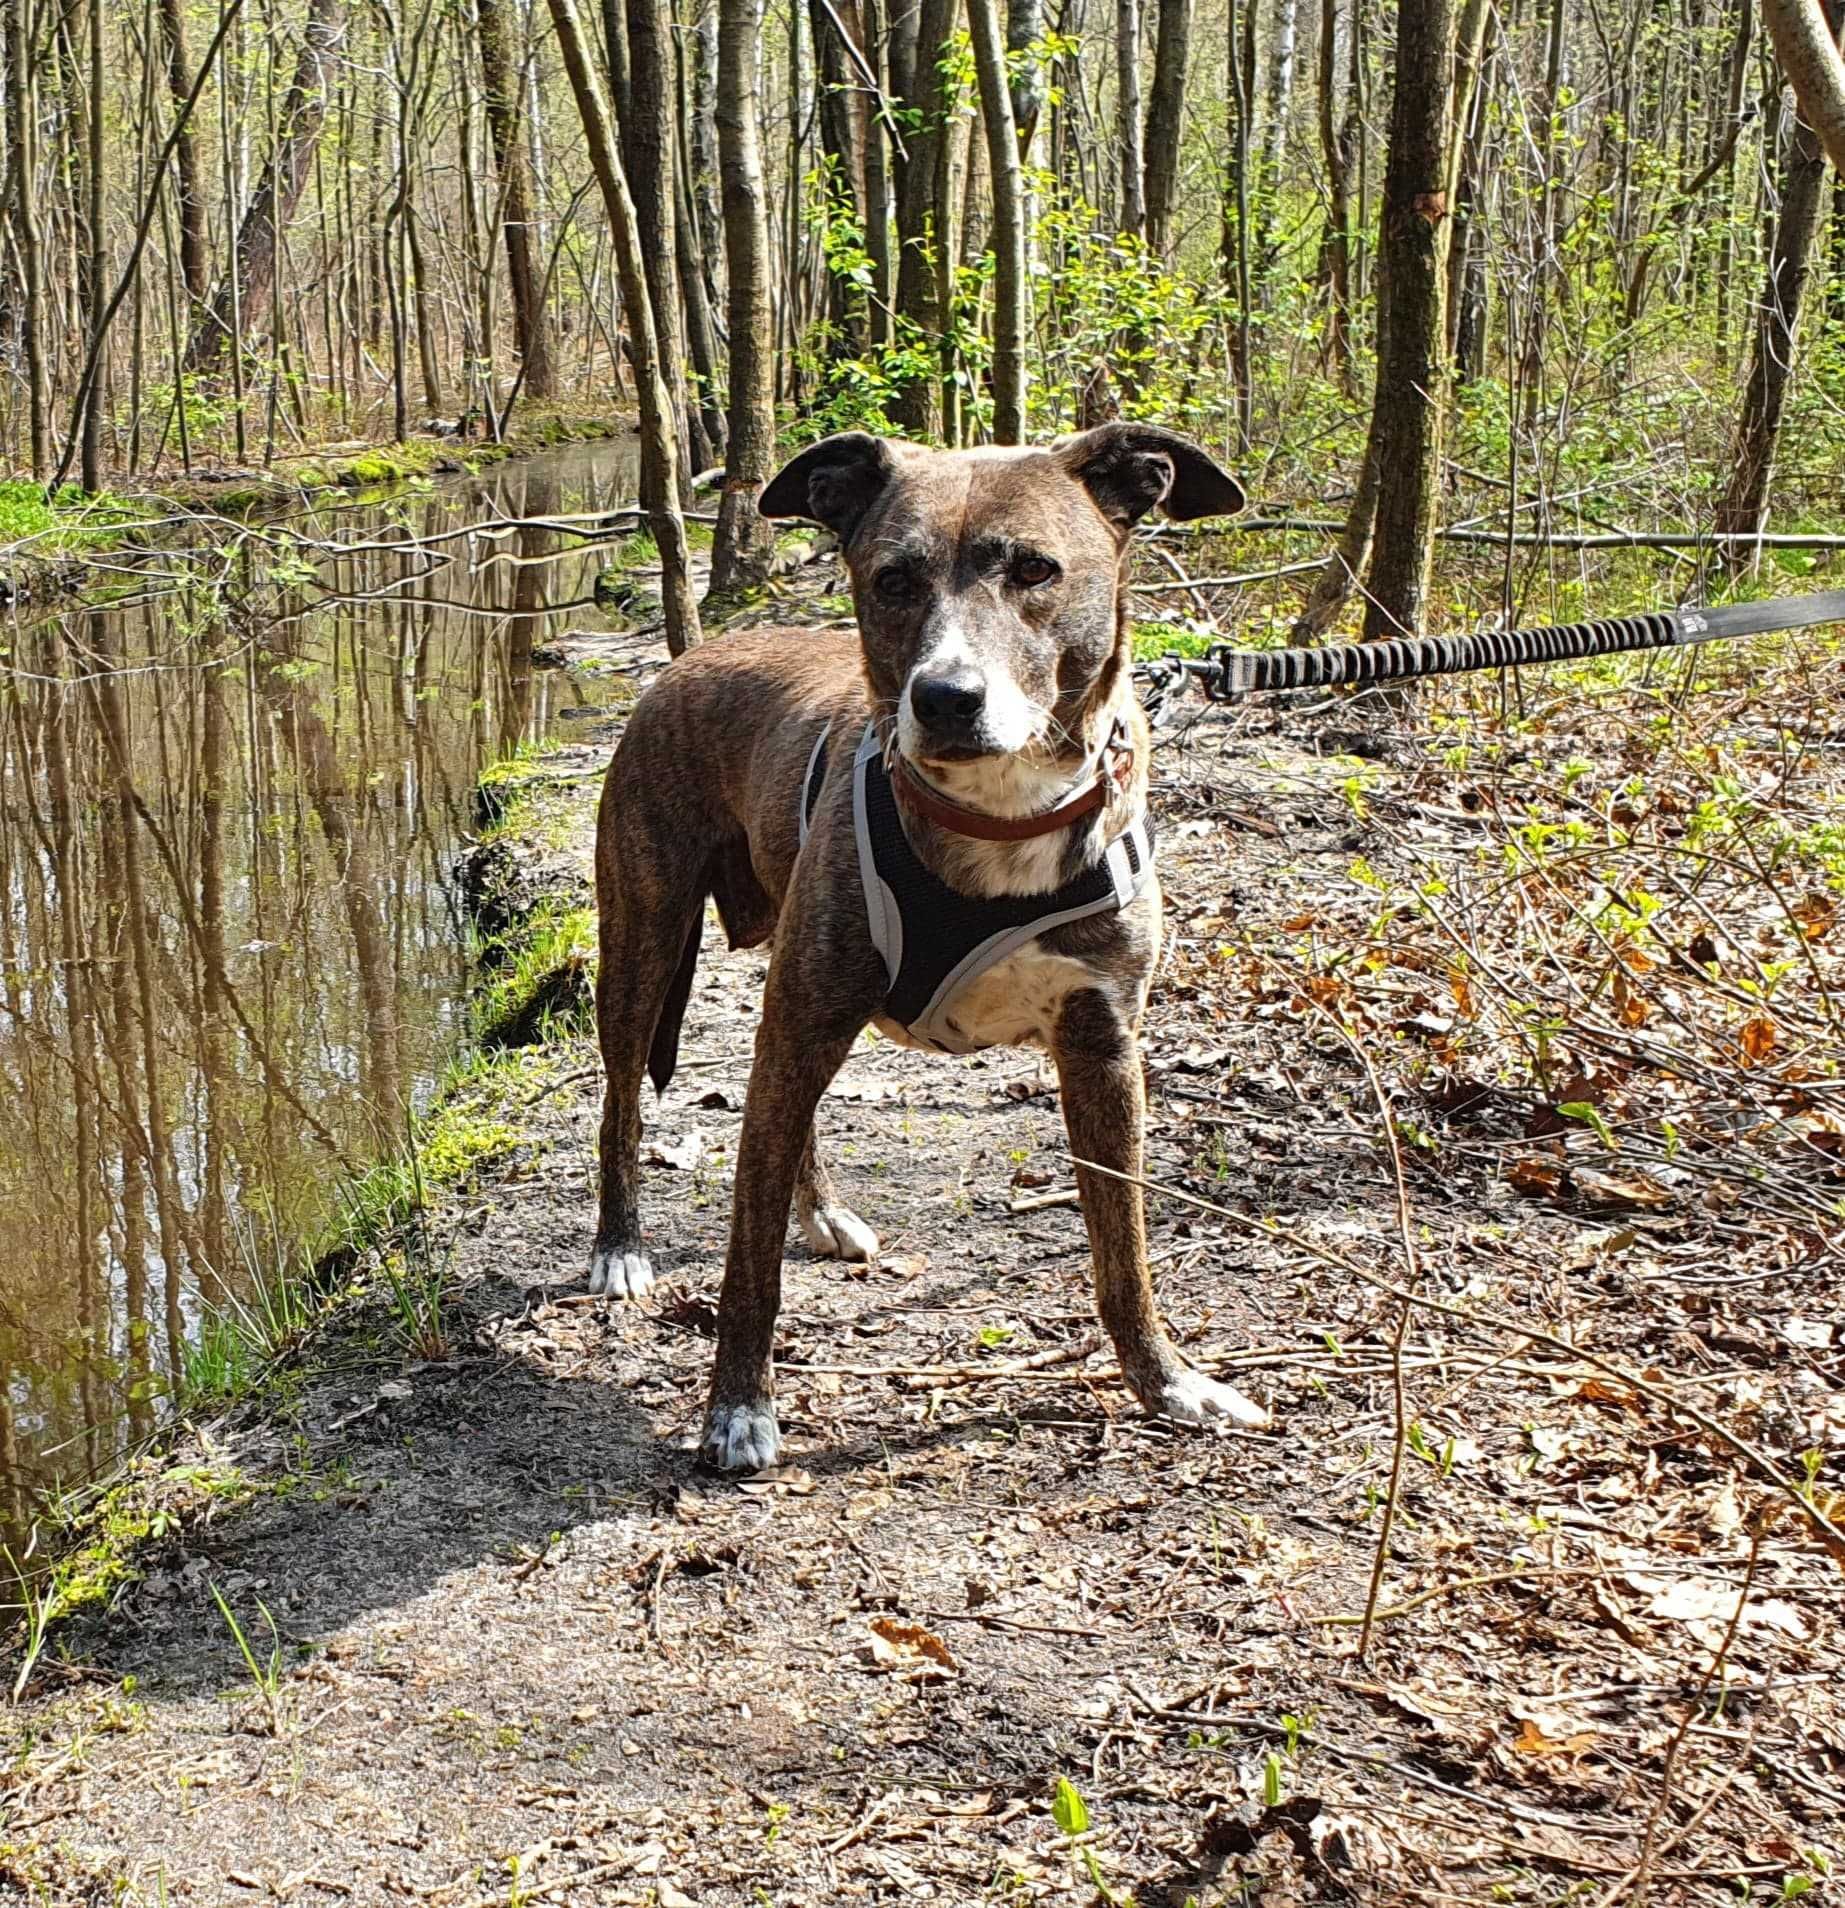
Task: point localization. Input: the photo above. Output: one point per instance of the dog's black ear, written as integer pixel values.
(833, 482)
(1130, 468)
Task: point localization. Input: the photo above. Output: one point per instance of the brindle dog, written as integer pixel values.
(993, 655)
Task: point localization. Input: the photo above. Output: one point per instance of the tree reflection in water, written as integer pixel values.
(231, 950)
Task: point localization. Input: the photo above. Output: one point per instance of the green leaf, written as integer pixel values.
(1591, 1116)
(1271, 1780)
(1068, 1810)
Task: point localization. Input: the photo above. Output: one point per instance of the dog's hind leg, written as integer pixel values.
(1104, 1110)
(834, 1230)
(651, 913)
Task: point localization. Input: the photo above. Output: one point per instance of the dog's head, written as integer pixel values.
(988, 582)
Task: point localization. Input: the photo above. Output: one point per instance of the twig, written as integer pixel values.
(1824, 1527)
(1641, 1878)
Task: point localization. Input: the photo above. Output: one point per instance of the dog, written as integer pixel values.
(940, 824)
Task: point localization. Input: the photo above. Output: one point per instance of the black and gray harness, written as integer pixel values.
(933, 938)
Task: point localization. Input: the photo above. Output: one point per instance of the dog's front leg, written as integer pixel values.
(792, 1067)
(1104, 1110)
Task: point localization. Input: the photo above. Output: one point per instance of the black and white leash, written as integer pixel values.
(1228, 674)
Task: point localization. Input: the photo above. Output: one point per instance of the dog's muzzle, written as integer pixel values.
(950, 707)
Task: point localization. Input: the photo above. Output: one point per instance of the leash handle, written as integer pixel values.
(1230, 674)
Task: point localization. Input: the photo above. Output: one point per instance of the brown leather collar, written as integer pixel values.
(915, 794)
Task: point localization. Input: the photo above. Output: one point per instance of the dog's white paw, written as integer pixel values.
(837, 1232)
(1189, 1397)
(741, 1437)
(619, 1275)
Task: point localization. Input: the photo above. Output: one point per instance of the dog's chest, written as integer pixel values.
(1013, 1003)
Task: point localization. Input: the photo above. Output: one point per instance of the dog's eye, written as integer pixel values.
(894, 583)
(1031, 571)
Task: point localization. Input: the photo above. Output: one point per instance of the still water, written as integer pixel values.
(232, 950)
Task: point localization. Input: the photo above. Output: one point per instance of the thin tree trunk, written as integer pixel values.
(1743, 509)
(1412, 370)
(245, 292)
(1336, 140)
(1166, 123)
(659, 427)
(1275, 138)
(1010, 286)
(1236, 217)
(1024, 26)
(924, 218)
(193, 263)
(1132, 198)
(500, 97)
(691, 235)
(645, 129)
(92, 273)
(741, 550)
(879, 204)
(21, 141)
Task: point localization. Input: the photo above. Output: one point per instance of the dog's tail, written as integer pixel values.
(663, 1054)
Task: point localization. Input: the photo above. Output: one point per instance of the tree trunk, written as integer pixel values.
(1010, 286)
(191, 191)
(741, 550)
(659, 426)
(1743, 509)
(878, 191)
(26, 231)
(925, 217)
(645, 129)
(500, 97)
(1807, 44)
(1275, 138)
(1412, 368)
(92, 273)
(251, 278)
(1024, 25)
(700, 331)
(1835, 278)
(1236, 216)
(1336, 141)
(842, 139)
(1166, 123)
(1132, 199)
(701, 58)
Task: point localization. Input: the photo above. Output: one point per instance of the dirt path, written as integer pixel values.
(529, 1652)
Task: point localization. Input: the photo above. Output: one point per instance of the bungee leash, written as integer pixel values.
(1228, 674)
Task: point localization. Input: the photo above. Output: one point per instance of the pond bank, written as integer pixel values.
(46, 547)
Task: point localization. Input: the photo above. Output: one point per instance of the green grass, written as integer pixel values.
(538, 978)
(50, 527)
(1153, 640)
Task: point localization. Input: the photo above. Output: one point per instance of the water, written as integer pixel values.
(232, 951)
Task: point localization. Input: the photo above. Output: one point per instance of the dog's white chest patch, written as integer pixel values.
(1015, 1002)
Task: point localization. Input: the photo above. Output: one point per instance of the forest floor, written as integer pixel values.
(986, 1634)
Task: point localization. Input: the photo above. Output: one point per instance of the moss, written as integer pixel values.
(538, 978)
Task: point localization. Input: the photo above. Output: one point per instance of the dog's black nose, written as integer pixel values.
(950, 701)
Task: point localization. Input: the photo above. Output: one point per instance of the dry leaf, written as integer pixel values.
(1758, 1040)
(1630, 1005)
(909, 1648)
(1815, 913)
(1620, 1190)
(1535, 1178)
(1532, 1739)
(779, 1480)
(1607, 1391)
